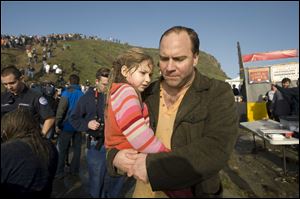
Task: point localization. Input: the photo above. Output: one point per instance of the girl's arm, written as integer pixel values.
(129, 116)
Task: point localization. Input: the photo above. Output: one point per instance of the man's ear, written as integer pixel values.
(195, 59)
(124, 70)
(22, 78)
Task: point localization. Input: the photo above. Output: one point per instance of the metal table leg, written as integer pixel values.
(254, 139)
(254, 143)
(284, 159)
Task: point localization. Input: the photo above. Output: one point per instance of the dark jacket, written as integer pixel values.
(293, 95)
(204, 134)
(87, 110)
(23, 174)
(35, 101)
(280, 105)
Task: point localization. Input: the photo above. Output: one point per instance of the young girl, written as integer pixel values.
(127, 119)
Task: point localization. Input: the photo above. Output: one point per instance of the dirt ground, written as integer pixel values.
(249, 174)
(259, 173)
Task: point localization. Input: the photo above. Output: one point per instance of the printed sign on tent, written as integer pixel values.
(259, 75)
(280, 71)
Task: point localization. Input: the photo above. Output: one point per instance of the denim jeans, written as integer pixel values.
(113, 187)
(100, 182)
(97, 169)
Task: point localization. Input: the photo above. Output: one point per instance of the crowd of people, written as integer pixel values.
(170, 137)
(282, 101)
(23, 41)
(39, 63)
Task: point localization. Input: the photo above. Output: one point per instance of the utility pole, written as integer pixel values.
(242, 75)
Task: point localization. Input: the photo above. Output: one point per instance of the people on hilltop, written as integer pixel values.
(74, 68)
(23, 41)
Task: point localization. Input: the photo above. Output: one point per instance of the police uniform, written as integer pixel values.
(28, 98)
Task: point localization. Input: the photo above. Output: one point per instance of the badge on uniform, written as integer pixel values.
(43, 101)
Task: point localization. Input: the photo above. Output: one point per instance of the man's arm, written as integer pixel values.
(60, 113)
(48, 123)
(290, 92)
(210, 145)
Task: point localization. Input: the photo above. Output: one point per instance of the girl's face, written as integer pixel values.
(140, 77)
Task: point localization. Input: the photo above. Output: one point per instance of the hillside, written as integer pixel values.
(89, 55)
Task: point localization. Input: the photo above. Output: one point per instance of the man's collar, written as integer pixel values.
(200, 82)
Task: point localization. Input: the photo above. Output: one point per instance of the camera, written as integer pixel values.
(99, 133)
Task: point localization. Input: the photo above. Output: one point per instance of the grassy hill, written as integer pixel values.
(89, 55)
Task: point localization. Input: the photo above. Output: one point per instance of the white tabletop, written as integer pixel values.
(256, 127)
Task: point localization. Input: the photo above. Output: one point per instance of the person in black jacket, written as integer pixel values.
(17, 94)
(28, 161)
(88, 117)
(293, 95)
(281, 103)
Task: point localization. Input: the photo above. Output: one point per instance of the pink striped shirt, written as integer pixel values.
(127, 122)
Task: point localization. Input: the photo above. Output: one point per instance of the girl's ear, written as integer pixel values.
(124, 70)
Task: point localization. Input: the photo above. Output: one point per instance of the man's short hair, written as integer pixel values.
(192, 34)
(74, 79)
(102, 72)
(286, 80)
(11, 70)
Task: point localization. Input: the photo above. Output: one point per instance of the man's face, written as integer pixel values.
(102, 83)
(176, 59)
(286, 84)
(12, 84)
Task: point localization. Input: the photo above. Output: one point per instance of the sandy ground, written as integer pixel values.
(250, 173)
(259, 173)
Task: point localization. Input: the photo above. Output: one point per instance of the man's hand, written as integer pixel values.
(93, 124)
(139, 170)
(124, 160)
(57, 130)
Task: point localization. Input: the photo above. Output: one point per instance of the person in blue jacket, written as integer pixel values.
(66, 131)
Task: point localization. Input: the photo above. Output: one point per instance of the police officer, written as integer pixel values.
(17, 94)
